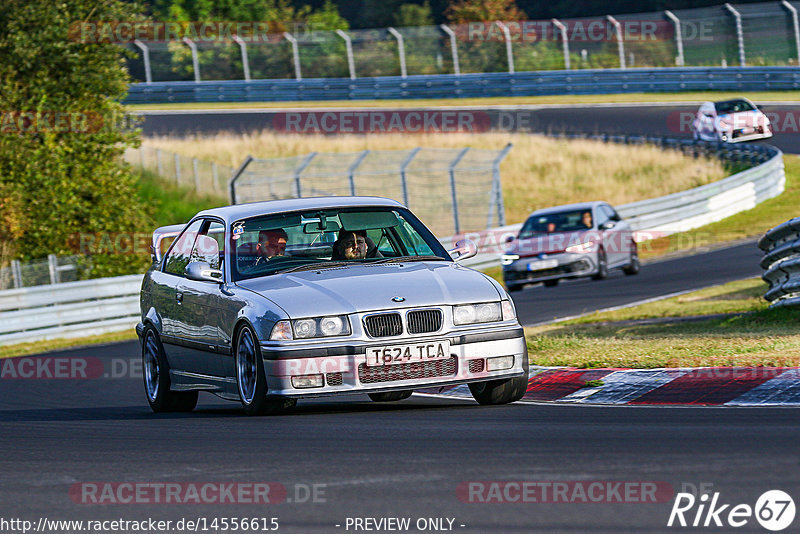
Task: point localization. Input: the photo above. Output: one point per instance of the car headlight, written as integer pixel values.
(337, 325)
(486, 312)
(508, 259)
(579, 248)
(724, 125)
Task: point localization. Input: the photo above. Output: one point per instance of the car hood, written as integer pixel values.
(360, 288)
(550, 243)
(743, 119)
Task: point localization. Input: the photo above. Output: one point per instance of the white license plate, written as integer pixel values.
(542, 264)
(412, 353)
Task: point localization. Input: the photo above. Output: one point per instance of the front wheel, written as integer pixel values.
(501, 391)
(390, 396)
(250, 379)
(156, 378)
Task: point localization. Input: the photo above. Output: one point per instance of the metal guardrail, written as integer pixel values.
(498, 84)
(781, 263)
(71, 309)
(677, 212)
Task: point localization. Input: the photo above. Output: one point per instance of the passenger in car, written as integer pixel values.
(350, 245)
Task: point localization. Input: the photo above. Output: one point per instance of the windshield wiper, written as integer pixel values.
(404, 259)
(314, 266)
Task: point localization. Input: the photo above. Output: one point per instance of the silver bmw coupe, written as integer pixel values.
(269, 302)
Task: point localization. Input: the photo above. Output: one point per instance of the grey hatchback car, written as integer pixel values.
(571, 241)
(220, 314)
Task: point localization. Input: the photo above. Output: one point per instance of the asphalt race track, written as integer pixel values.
(642, 119)
(538, 304)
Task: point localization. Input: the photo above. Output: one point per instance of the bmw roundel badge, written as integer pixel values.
(398, 299)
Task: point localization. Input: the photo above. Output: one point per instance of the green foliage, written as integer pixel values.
(462, 11)
(414, 15)
(64, 181)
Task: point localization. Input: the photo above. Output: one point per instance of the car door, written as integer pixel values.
(617, 236)
(169, 286)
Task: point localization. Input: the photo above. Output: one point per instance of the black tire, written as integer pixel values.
(251, 382)
(155, 372)
(552, 283)
(390, 396)
(602, 266)
(501, 391)
(633, 267)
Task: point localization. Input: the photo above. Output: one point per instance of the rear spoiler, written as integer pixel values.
(159, 235)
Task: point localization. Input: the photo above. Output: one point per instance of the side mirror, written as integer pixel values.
(509, 239)
(202, 272)
(608, 225)
(465, 248)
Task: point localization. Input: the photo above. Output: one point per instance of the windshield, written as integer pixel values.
(733, 106)
(332, 237)
(563, 221)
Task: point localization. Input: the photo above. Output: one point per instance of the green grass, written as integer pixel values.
(171, 204)
(655, 335)
(695, 96)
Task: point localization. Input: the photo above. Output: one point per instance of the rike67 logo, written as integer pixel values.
(774, 510)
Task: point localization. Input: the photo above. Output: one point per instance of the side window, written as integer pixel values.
(209, 247)
(180, 254)
(612, 214)
(601, 215)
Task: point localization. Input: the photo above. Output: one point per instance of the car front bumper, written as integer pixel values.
(570, 265)
(345, 371)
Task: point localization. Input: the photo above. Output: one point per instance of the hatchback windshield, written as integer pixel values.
(271, 244)
(732, 106)
(563, 221)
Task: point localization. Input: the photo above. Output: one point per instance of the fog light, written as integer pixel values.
(307, 381)
(499, 363)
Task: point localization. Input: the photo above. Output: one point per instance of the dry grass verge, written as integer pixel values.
(538, 172)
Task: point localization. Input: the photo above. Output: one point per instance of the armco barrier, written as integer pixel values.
(677, 212)
(781, 263)
(72, 309)
(498, 84)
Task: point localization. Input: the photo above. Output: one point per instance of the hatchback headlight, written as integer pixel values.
(580, 248)
(486, 312)
(508, 259)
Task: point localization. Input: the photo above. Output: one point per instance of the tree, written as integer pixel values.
(414, 15)
(63, 131)
(462, 11)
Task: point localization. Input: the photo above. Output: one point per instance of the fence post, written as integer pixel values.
(739, 34)
(348, 44)
(564, 41)
(620, 42)
(148, 74)
(159, 164)
(214, 176)
(351, 171)
(245, 61)
(16, 273)
(195, 60)
(299, 170)
(403, 167)
(235, 176)
(177, 158)
(679, 61)
(401, 50)
(454, 197)
(509, 51)
(295, 55)
(52, 266)
(453, 48)
(793, 11)
(196, 175)
(501, 209)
